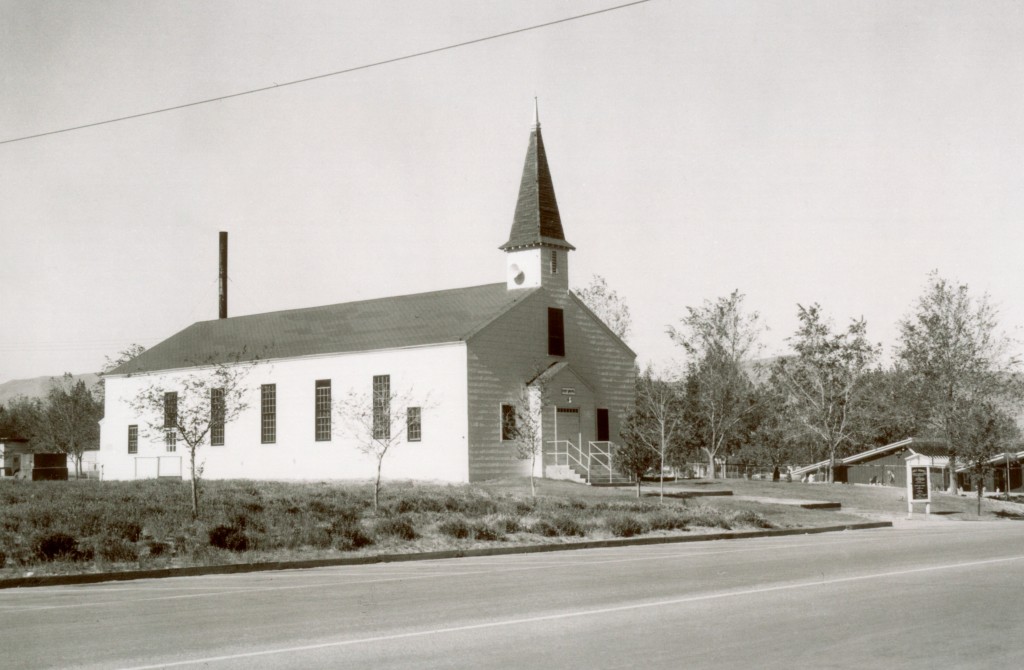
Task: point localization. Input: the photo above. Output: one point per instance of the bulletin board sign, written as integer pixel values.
(919, 488)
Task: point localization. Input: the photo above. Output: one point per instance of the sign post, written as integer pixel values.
(919, 488)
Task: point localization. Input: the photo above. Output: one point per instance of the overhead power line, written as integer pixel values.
(329, 74)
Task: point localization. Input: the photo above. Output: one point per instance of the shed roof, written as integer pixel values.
(384, 323)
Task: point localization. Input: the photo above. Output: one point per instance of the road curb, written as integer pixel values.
(197, 571)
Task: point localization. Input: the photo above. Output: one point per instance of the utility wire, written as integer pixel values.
(329, 74)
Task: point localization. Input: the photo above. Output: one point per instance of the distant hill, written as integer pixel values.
(37, 387)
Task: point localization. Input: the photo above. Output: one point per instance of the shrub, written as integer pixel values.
(750, 519)
(508, 523)
(456, 527)
(487, 533)
(123, 529)
(348, 535)
(667, 520)
(557, 525)
(230, 537)
(625, 525)
(116, 550)
(397, 527)
(157, 548)
(56, 546)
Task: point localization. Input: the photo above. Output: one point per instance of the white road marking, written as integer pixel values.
(572, 615)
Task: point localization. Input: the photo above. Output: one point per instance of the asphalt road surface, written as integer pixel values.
(925, 594)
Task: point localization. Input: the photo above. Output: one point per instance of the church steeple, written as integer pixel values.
(537, 225)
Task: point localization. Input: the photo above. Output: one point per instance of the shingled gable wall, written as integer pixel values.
(513, 349)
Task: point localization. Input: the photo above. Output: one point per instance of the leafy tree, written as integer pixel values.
(69, 420)
(890, 411)
(960, 364)
(608, 305)
(654, 425)
(768, 437)
(190, 407)
(720, 340)
(825, 379)
(989, 430)
(20, 417)
(636, 455)
(378, 419)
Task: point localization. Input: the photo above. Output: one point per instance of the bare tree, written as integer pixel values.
(193, 406)
(522, 423)
(608, 305)
(69, 420)
(380, 420)
(655, 423)
(720, 341)
(826, 378)
(959, 362)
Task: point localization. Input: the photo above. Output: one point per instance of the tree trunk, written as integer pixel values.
(195, 487)
(711, 463)
(979, 483)
(638, 487)
(376, 488)
(533, 467)
(953, 488)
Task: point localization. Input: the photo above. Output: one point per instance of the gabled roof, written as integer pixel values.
(536, 220)
(916, 445)
(385, 323)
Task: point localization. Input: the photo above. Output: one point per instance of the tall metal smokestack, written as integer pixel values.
(223, 275)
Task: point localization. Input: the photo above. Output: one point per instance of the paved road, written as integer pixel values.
(925, 594)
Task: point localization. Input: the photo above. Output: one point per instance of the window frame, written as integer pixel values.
(171, 441)
(556, 331)
(217, 412)
(507, 422)
(133, 438)
(603, 425)
(414, 424)
(322, 410)
(381, 407)
(170, 409)
(268, 414)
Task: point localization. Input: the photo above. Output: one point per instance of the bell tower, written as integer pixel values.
(537, 253)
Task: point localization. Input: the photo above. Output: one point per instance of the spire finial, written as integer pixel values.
(536, 113)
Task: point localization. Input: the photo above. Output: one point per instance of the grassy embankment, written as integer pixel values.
(86, 526)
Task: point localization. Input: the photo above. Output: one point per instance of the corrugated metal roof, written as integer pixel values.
(384, 323)
(536, 220)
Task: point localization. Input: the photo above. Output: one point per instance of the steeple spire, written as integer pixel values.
(536, 221)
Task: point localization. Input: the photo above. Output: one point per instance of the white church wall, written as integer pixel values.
(434, 376)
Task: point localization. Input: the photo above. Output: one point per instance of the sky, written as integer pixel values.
(800, 152)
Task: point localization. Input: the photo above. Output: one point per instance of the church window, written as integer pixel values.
(217, 417)
(170, 409)
(603, 433)
(133, 439)
(556, 332)
(268, 413)
(414, 424)
(171, 440)
(382, 407)
(322, 419)
(508, 422)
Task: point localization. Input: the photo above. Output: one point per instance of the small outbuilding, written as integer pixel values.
(887, 465)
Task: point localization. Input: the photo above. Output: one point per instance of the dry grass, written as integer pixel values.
(88, 526)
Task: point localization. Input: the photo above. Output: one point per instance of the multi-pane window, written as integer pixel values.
(170, 409)
(133, 439)
(171, 440)
(508, 422)
(268, 413)
(322, 409)
(217, 417)
(382, 407)
(414, 424)
(556, 332)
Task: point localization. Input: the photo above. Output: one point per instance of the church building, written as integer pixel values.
(463, 358)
